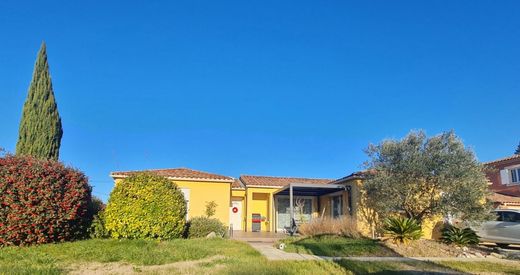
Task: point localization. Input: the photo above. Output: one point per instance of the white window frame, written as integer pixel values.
(510, 170)
(506, 175)
(186, 193)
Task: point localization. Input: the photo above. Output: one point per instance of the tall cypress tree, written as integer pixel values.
(40, 128)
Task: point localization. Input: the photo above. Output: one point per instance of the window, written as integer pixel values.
(499, 216)
(337, 206)
(515, 175)
(186, 193)
(507, 216)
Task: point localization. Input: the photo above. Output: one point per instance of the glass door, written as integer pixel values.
(302, 211)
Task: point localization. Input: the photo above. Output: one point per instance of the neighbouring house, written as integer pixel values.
(263, 203)
(504, 178)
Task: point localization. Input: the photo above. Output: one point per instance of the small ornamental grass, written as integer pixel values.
(402, 230)
(42, 201)
(328, 226)
(459, 236)
(145, 206)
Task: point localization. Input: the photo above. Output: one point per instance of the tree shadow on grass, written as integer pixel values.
(335, 246)
(404, 267)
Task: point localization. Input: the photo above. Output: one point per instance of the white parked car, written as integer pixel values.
(503, 231)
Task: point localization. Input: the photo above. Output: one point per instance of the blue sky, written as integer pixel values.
(287, 88)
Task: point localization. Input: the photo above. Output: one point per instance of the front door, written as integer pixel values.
(235, 214)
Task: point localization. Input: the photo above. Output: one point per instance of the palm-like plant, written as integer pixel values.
(452, 234)
(402, 230)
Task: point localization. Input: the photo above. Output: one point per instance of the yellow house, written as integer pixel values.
(263, 203)
(198, 188)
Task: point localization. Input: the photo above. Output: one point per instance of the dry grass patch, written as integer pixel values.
(431, 248)
(184, 267)
(329, 226)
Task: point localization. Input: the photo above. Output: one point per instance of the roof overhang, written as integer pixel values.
(309, 189)
(121, 176)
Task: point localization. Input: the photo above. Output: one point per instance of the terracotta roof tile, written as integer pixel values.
(183, 173)
(503, 159)
(237, 184)
(501, 198)
(278, 181)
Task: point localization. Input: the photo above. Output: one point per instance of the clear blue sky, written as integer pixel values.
(288, 88)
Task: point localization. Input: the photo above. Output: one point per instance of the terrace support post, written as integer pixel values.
(291, 203)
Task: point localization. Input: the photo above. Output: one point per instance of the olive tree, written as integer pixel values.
(422, 177)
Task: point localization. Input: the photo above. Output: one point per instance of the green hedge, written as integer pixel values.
(145, 206)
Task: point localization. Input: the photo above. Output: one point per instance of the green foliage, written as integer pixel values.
(97, 228)
(425, 177)
(145, 206)
(40, 129)
(517, 151)
(96, 205)
(211, 207)
(454, 235)
(402, 230)
(42, 201)
(200, 227)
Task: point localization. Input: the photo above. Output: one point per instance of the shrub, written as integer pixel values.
(454, 235)
(329, 226)
(145, 206)
(210, 208)
(200, 227)
(42, 201)
(96, 205)
(402, 230)
(97, 228)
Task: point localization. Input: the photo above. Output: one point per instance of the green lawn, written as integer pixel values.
(376, 267)
(418, 267)
(481, 267)
(336, 246)
(226, 257)
(195, 256)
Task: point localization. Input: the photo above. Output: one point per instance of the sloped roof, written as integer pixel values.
(355, 175)
(237, 184)
(501, 198)
(503, 159)
(180, 173)
(249, 180)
